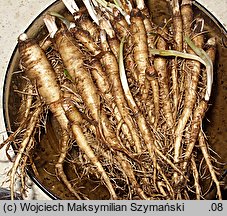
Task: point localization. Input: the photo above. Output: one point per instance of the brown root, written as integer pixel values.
(204, 149)
(26, 138)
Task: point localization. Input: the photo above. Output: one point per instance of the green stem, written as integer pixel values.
(63, 19)
(175, 53)
(200, 56)
(208, 63)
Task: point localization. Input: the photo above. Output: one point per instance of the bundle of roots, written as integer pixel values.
(129, 97)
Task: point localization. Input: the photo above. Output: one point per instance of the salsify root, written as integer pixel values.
(73, 60)
(140, 50)
(59, 165)
(204, 149)
(73, 51)
(191, 83)
(26, 138)
(178, 45)
(111, 66)
(129, 97)
(195, 129)
(39, 70)
(76, 119)
(108, 135)
(196, 179)
(160, 65)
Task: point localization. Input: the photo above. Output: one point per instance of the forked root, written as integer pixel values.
(26, 138)
(59, 165)
(134, 130)
(204, 149)
(76, 119)
(196, 179)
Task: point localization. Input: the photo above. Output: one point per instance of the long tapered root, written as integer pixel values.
(59, 164)
(204, 149)
(128, 99)
(26, 139)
